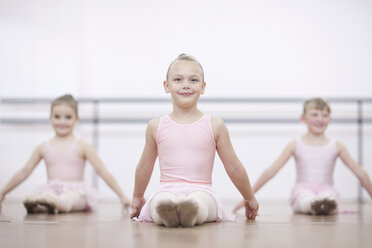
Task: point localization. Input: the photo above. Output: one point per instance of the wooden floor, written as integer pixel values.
(275, 227)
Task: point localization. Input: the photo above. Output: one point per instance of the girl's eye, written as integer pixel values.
(68, 117)
(194, 80)
(56, 116)
(177, 79)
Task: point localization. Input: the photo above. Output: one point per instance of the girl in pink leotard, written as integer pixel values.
(186, 141)
(315, 156)
(65, 156)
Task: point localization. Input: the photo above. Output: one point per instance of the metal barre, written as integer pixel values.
(146, 120)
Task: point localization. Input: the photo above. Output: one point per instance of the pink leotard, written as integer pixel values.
(186, 152)
(186, 157)
(314, 168)
(64, 164)
(65, 171)
(315, 164)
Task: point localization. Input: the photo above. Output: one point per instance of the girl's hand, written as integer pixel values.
(239, 206)
(251, 208)
(125, 202)
(137, 205)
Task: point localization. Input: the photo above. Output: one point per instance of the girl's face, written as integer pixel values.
(317, 120)
(185, 83)
(63, 119)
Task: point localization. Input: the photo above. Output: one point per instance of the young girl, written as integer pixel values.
(315, 156)
(65, 156)
(186, 141)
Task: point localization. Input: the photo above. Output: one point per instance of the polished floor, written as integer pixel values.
(108, 227)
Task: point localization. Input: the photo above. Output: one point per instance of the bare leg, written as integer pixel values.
(71, 201)
(163, 209)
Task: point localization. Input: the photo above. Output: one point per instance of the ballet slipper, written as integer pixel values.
(167, 211)
(188, 212)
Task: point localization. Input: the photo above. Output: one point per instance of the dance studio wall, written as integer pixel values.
(123, 48)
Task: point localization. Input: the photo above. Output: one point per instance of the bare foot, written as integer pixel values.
(167, 211)
(188, 211)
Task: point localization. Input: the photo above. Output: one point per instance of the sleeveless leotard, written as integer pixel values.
(186, 152)
(65, 164)
(186, 157)
(65, 171)
(314, 169)
(315, 164)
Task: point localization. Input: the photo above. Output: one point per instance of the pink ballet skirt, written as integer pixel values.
(60, 187)
(184, 189)
(315, 188)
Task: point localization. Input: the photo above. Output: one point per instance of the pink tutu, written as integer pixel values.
(183, 189)
(59, 187)
(315, 188)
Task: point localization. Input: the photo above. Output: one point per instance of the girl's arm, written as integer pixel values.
(273, 169)
(234, 167)
(92, 156)
(145, 167)
(358, 171)
(23, 173)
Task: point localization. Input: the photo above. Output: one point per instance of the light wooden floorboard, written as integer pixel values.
(276, 226)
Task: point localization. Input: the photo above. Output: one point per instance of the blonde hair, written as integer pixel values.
(185, 57)
(69, 100)
(317, 103)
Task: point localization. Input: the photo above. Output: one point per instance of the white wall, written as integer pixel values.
(123, 48)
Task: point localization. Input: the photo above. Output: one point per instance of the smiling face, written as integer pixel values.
(316, 119)
(63, 119)
(185, 82)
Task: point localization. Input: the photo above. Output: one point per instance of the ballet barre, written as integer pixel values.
(96, 120)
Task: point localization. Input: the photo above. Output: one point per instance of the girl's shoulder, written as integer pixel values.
(83, 146)
(217, 122)
(219, 127)
(216, 119)
(291, 146)
(152, 128)
(80, 142)
(340, 146)
(153, 124)
(40, 149)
